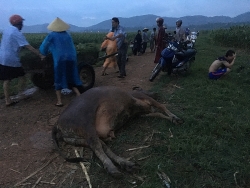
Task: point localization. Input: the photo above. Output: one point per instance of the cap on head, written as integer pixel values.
(58, 25)
(16, 19)
(145, 29)
(115, 19)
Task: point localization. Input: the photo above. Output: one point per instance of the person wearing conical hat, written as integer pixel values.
(10, 66)
(60, 44)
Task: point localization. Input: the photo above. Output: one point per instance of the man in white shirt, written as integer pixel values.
(10, 66)
(180, 32)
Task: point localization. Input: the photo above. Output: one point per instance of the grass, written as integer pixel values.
(213, 143)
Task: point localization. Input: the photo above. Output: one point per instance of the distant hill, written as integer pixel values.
(198, 22)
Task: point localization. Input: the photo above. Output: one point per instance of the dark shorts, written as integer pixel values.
(216, 75)
(9, 73)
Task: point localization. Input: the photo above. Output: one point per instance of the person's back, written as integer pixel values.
(12, 41)
(68, 51)
(180, 32)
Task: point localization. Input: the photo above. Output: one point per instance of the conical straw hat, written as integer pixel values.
(58, 25)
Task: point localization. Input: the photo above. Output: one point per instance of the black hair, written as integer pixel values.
(115, 19)
(154, 29)
(230, 53)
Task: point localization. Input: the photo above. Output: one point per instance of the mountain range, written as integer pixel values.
(134, 23)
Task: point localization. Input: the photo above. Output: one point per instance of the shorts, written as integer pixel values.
(9, 73)
(216, 75)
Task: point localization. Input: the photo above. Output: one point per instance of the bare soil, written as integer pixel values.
(27, 154)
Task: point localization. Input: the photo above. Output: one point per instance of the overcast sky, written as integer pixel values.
(85, 13)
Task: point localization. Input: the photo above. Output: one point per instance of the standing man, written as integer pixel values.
(160, 43)
(10, 66)
(180, 32)
(122, 46)
(145, 40)
(152, 40)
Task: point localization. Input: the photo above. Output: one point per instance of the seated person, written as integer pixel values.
(222, 65)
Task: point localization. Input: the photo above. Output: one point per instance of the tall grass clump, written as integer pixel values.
(236, 36)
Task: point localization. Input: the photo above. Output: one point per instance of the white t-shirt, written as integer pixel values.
(12, 41)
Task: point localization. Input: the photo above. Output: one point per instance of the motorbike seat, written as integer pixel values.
(187, 52)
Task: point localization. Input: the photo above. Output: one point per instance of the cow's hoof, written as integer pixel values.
(177, 121)
(116, 174)
(130, 166)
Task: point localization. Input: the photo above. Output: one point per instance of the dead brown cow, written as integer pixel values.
(97, 113)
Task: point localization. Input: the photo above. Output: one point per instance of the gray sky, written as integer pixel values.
(85, 13)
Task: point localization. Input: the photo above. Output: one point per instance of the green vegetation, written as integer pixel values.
(213, 144)
(236, 36)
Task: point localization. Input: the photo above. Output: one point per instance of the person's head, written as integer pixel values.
(115, 22)
(17, 21)
(58, 25)
(159, 21)
(230, 55)
(178, 23)
(145, 29)
(154, 29)
(139, 31)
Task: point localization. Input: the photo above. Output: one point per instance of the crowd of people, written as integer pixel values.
(60, 44)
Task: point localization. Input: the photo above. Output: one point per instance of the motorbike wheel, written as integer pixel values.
(43, 80)
(87, 75)
(155, 71)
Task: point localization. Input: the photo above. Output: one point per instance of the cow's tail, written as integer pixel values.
(56, 131)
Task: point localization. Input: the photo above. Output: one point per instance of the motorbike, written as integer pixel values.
(176, 58)
(192, 39)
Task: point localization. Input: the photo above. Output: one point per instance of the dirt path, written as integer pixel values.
(25, 140)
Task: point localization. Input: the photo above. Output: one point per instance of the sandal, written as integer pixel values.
(104, 74)
(12, 103)
(59, 105)
(120, 76)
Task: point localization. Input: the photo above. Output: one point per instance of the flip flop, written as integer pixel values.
(59, 105)
(104, 74)
(12, 103)
(120, 76)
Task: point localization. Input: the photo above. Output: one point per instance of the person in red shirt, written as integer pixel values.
(160, 39)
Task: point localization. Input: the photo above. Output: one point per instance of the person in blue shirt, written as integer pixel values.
(60, 44)
(122, 45)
